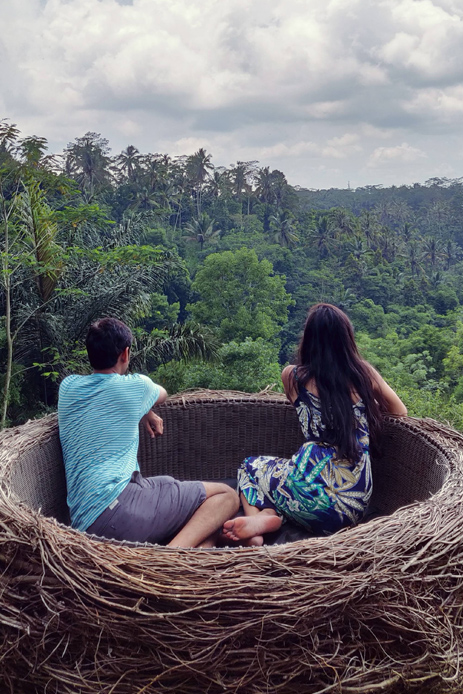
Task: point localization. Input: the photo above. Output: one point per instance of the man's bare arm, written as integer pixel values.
(153, 424)
(151, 421)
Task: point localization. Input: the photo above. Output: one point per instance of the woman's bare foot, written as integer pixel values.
(247, 527)
(226, 541)
(256, 541)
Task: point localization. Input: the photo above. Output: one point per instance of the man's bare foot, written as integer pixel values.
(247, 527)
(256, 541)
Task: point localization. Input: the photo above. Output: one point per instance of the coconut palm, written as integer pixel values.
(88, 161)
(432, 251)
(322, 236)
(202, 230)
(414, 255)
(450, 253)
(282, 224)
(342, 221)
(128, 162)
(264, 186)
(198, 166)
(358, 247)
(369, 225)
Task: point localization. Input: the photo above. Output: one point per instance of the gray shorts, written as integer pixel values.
(149, 509)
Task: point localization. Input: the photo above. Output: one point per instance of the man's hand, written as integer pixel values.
(153, 424)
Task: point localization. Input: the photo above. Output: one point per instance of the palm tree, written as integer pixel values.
(279, 186)
(265, 193)
(128, 162)
(88, 161)
(202, 230)
(400, 213)
(409, 232)
(322, 236)
(198, 166)
(432, 251)
(450, 252)
(264, 186)
(385, 212)
(342, 221)
(358, 247)
(438, 216)
(435, 279)
(145, 199)
(242, 176)
(414, 255)
(388, 243)
(369, 226)
(182, 342)
(219, 183)
(283, 226)
(155, 168)
(344, 298)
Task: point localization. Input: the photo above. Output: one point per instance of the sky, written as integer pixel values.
(334, 93)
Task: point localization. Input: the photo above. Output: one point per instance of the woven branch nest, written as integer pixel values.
(376, 608)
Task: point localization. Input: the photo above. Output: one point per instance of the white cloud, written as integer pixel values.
(376, 133)
(446, 104)
(342, 147)
(427, 39)
(290, 150)
(400, 153)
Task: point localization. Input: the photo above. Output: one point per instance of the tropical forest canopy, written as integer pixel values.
(214, 269)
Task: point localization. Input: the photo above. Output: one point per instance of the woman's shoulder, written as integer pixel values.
(289, 372)
(289, 380)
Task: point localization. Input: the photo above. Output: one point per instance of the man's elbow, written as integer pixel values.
(162, 397)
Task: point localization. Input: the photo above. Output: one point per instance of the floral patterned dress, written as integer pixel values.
(315, 488)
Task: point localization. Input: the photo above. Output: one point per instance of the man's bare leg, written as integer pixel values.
(253, 525)
(210, 541)
(221, 503)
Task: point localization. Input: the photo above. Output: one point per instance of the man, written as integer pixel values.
(98, 418)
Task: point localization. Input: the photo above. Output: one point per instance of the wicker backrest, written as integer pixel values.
(34, 467)
(412, 466)
(206, 437)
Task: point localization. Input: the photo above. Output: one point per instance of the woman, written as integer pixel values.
(339, 398)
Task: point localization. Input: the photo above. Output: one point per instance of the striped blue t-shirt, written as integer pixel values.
(98, 419)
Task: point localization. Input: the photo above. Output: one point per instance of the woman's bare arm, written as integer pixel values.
(288, 382)
(393, 402)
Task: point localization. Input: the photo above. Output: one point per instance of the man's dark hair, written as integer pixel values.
(106, 340)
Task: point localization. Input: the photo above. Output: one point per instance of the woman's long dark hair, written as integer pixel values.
(328, 354)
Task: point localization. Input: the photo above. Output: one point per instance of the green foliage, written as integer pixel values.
(125, 235)
(443, 300)
(249, 366)
(368, 317)
(240, 296)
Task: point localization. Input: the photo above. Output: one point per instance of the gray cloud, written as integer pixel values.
(327, 91)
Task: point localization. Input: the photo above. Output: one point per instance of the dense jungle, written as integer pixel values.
(214, 269)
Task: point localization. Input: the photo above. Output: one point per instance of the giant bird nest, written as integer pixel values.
(376, 608)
